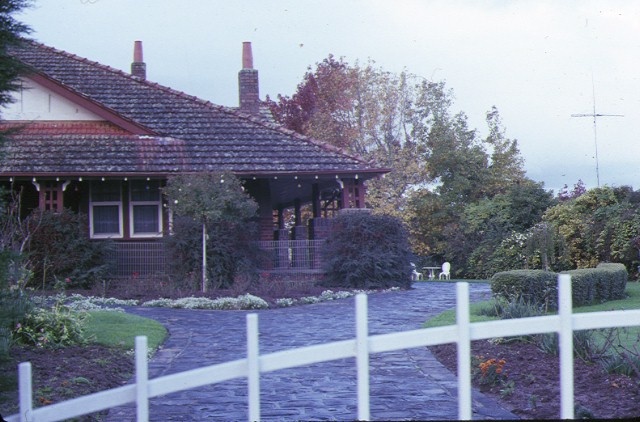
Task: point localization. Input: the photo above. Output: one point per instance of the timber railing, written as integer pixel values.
(360, 347)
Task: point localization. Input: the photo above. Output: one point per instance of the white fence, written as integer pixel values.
(363, 345)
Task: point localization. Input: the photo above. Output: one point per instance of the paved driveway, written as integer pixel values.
(404, 385)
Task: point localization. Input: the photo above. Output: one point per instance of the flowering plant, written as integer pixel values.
(490, 371)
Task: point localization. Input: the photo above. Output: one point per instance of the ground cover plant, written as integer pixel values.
(523, 373)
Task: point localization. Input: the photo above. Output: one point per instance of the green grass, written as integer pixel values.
(118, 329)
(628, 336)
(631, 302)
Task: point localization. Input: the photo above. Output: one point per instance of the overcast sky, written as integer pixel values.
(534, 60)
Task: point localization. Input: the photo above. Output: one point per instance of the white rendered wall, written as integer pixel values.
(35, 102)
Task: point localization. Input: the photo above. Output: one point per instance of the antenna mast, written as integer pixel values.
(595, 115)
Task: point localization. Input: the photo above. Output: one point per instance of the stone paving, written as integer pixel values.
(404, 385)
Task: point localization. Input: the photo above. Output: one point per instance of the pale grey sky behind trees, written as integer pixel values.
(534, 60)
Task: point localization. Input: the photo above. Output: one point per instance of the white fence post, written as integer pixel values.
(565, 342)
(253, 367)
(142, 380)
(26, 391)
(464, 351)
(362, 356)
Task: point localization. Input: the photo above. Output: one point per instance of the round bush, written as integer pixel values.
(367, 251)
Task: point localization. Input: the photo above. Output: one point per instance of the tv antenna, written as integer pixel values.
(595, 116)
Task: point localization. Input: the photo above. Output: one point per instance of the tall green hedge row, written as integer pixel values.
(589, 285)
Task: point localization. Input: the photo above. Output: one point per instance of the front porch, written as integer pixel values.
(287, 260)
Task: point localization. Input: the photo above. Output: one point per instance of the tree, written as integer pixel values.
(578, 189)
(365, 111)
(11, 32)
(211, 199)
(12, 304)
(405, 122)
(600, 225)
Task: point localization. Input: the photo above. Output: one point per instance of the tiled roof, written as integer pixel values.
(188, 134)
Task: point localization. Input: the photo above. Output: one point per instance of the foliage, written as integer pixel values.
(214, 208)
(594, 285)
(496, 227)
(368, 112)
(51, 327)
(246, 301)
(585, 345)
(578, 189)
(11, 32)
(231, 251)
(599, 226)
(59, 249)
(14, 305)
(531, 286)
(367, 251)
(488, 371)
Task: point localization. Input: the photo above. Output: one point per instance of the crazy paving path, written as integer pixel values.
(404, 385)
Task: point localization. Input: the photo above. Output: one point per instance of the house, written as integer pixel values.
(102, 141)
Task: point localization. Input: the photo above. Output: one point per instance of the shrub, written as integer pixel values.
(60, 249)
(530, 286)
(14, 305)
(231, 252)
(596, 285)
(622, 363)
(585, 344)
(367, 252)
(223, 211)
(55, 327)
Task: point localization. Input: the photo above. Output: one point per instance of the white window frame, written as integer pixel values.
(93, 204)
(157, 203)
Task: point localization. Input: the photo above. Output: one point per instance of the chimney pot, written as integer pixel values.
(138, 67)
(248, 83)
(137, 51)
(247, 55)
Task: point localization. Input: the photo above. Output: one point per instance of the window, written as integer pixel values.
(145, 209)
(105, 209)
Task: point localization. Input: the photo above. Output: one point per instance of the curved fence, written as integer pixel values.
(360, 347)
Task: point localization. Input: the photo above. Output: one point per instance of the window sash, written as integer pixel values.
(105, 210)
(145, 220)
(145, 209)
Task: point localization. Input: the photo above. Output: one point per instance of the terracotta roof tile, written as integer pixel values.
(193, 134)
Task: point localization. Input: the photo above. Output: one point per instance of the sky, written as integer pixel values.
(539, 62)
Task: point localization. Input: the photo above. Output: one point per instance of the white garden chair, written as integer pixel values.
(415, 275)
(446, 271)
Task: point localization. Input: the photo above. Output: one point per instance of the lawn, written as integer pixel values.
(632, 301)
(119, 329)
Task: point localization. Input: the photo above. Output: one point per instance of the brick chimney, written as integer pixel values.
(138, 67)
(248, 82)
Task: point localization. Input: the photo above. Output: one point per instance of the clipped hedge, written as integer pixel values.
(590, 285)
(531, 286)
(596, 285)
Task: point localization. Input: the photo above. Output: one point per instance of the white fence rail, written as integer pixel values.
(361, 347)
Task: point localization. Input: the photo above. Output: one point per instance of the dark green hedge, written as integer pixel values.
(588, 286)
(531, 286)
(597, 285)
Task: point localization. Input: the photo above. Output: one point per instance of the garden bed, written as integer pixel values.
(531, 386)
